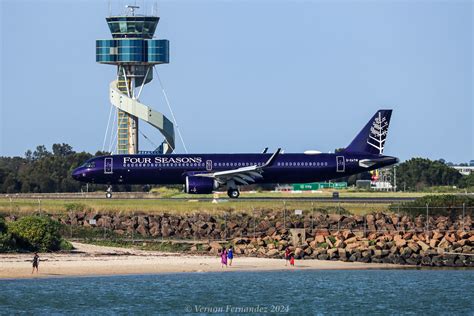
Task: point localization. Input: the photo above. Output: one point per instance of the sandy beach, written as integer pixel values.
(98, 260)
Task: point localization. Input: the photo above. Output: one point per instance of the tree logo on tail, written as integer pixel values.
(378, 133)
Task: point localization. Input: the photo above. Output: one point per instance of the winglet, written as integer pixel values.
(265, 150)
(271, 160)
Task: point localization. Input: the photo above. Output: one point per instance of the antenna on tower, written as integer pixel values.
(110, 8)
(132, 8)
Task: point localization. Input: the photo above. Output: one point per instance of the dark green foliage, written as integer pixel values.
(3, 226)
(467, 181)
(7, 243)
(36, 233)
(42, 171)
(32, 233)
(446, 205)
(419, 173)
(65, 245)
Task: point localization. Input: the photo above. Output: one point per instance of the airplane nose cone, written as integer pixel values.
(77, 174)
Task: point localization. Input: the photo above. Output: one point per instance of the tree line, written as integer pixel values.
(44, 171)
(418, 174)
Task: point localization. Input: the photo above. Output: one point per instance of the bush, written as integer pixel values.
(65, 245)
(3, 226)
(7, 242)
(36, 233)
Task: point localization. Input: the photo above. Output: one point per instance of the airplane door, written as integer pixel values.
(208, 165)
(108, 165)
(340, 164)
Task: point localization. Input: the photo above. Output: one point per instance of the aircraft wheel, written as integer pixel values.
(233, 193)
(108, 195)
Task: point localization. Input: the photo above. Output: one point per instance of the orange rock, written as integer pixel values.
(414, 247)
(437, 235)
(347, 234)
(423, 245)
(444, 244)
(319, 239)
(372, 236)
(400, 242)
(433, 243)
(323, 232)
(351, 240)
(462, 234)
(450, 237)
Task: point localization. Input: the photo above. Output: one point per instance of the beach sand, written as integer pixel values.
(89, 260)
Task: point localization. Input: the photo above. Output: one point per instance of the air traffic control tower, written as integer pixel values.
(135, 53)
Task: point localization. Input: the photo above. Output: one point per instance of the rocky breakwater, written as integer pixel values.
(378, 237)
(453, 249)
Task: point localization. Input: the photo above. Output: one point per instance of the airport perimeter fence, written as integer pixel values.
(257, 223)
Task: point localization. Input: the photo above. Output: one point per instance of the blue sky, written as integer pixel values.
(244, 75)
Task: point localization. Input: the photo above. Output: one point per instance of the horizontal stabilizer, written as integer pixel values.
(367, 163)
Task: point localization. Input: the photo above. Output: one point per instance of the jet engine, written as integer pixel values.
(200, 185)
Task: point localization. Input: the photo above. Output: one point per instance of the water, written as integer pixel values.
(318, 292)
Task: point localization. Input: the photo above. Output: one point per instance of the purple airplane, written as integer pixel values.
(204, 173)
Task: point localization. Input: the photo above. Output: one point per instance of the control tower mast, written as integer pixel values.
(134, 51)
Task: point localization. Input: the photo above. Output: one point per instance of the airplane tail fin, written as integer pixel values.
(371, 139)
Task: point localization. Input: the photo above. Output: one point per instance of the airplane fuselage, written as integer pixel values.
(173, 169)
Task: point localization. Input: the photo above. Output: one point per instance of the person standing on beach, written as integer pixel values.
(287, 255)
(224, 257)
(36, 260)
(230, 255)
(292, 260)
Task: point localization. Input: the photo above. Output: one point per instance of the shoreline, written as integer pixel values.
(92, 260)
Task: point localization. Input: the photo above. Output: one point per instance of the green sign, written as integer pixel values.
(318, 186)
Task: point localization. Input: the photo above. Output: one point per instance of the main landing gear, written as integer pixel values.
(233, 193)
(108, 193)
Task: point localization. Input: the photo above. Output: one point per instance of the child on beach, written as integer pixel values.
(287, 255)
(223, 257)
(292, 260)
(35, 263)
(230, 255)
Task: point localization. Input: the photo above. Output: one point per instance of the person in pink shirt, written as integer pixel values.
(223, 257)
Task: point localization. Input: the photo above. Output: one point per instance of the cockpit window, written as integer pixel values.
(90, 165)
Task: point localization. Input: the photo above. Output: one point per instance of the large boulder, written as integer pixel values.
(273, 253)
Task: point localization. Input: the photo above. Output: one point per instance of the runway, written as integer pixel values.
(222, 197)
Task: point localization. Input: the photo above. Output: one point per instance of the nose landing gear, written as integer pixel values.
(108, 193)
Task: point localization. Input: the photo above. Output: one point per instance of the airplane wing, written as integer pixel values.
(244, 175)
